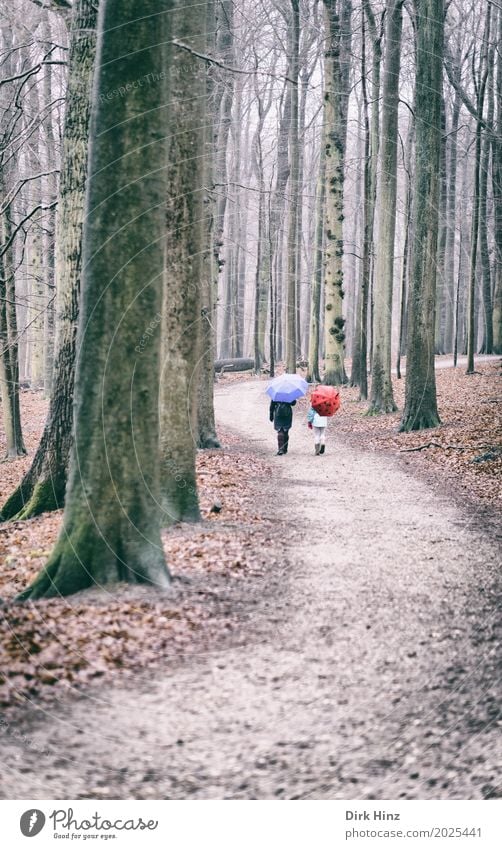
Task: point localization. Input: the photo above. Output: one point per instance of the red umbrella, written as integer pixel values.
(325, 400)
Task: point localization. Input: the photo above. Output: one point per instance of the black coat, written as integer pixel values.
(281, 414)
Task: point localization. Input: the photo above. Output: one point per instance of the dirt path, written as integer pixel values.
(372, 671)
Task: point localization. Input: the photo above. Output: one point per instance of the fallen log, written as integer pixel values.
(235, 364)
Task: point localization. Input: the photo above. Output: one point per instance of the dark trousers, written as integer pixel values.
(283, 440)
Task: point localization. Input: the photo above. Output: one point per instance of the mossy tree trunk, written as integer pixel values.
(313, 373)
(337, 22)
(43, 486)
(111, 528)
(381, 397)
(420, 409)
(184, 264)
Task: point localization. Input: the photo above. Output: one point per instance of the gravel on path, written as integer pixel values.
(372, 670)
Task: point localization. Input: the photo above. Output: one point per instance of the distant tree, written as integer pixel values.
(206, 436)
(420, 409)
(483, 72)
(294, 203)
(382, 399)
(111, 527)
(497, 196)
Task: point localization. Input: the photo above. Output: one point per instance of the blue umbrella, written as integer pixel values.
(287, 387)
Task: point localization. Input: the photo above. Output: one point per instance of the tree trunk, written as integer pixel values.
(315, 304)
(112, 521)
(449, 272)
(441, 305)
(497, 201)
(471, 297)
(43, 486)
(223, 92)
(206, 428)
(184, 249)
(406, 248)
(337, 22)
(9, 338)
(50, 228)
(420, 409)
(359, 376)
(484, 251)
(294, 157)
(382, 399)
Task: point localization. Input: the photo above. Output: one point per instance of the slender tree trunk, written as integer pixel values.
(382, 399)
(223, 97)
(50, 229)
(277, 208)
(9, 368)
(294, 154)
(420, 409)
(449, 272)
(483, 75)
(497, 200)
(206, 428)
(112, 521)
(43, 486)
(9, 339)
(401, 347)
(484, 251)
(441, 305)
(359, 375)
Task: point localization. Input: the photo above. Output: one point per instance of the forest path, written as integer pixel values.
(371, 674)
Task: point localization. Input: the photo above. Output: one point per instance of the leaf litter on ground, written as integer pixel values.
(61, 644)
(55, 645)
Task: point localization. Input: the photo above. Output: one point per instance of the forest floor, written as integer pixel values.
(333, 632)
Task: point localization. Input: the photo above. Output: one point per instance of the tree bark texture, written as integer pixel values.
(111, 529)
(382, 399)
(420, 409)
(184, 263)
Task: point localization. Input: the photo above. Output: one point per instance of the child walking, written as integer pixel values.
(281, 414)
(318, 424)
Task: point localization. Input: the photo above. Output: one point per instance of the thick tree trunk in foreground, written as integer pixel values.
(420, 409)
(111, 526)
(43, 486)
(382, 399)
(185, 245)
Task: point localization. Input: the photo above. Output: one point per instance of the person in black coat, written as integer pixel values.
(281, 414)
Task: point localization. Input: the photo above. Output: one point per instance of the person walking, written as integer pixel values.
(318, 424)
(281, 414)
